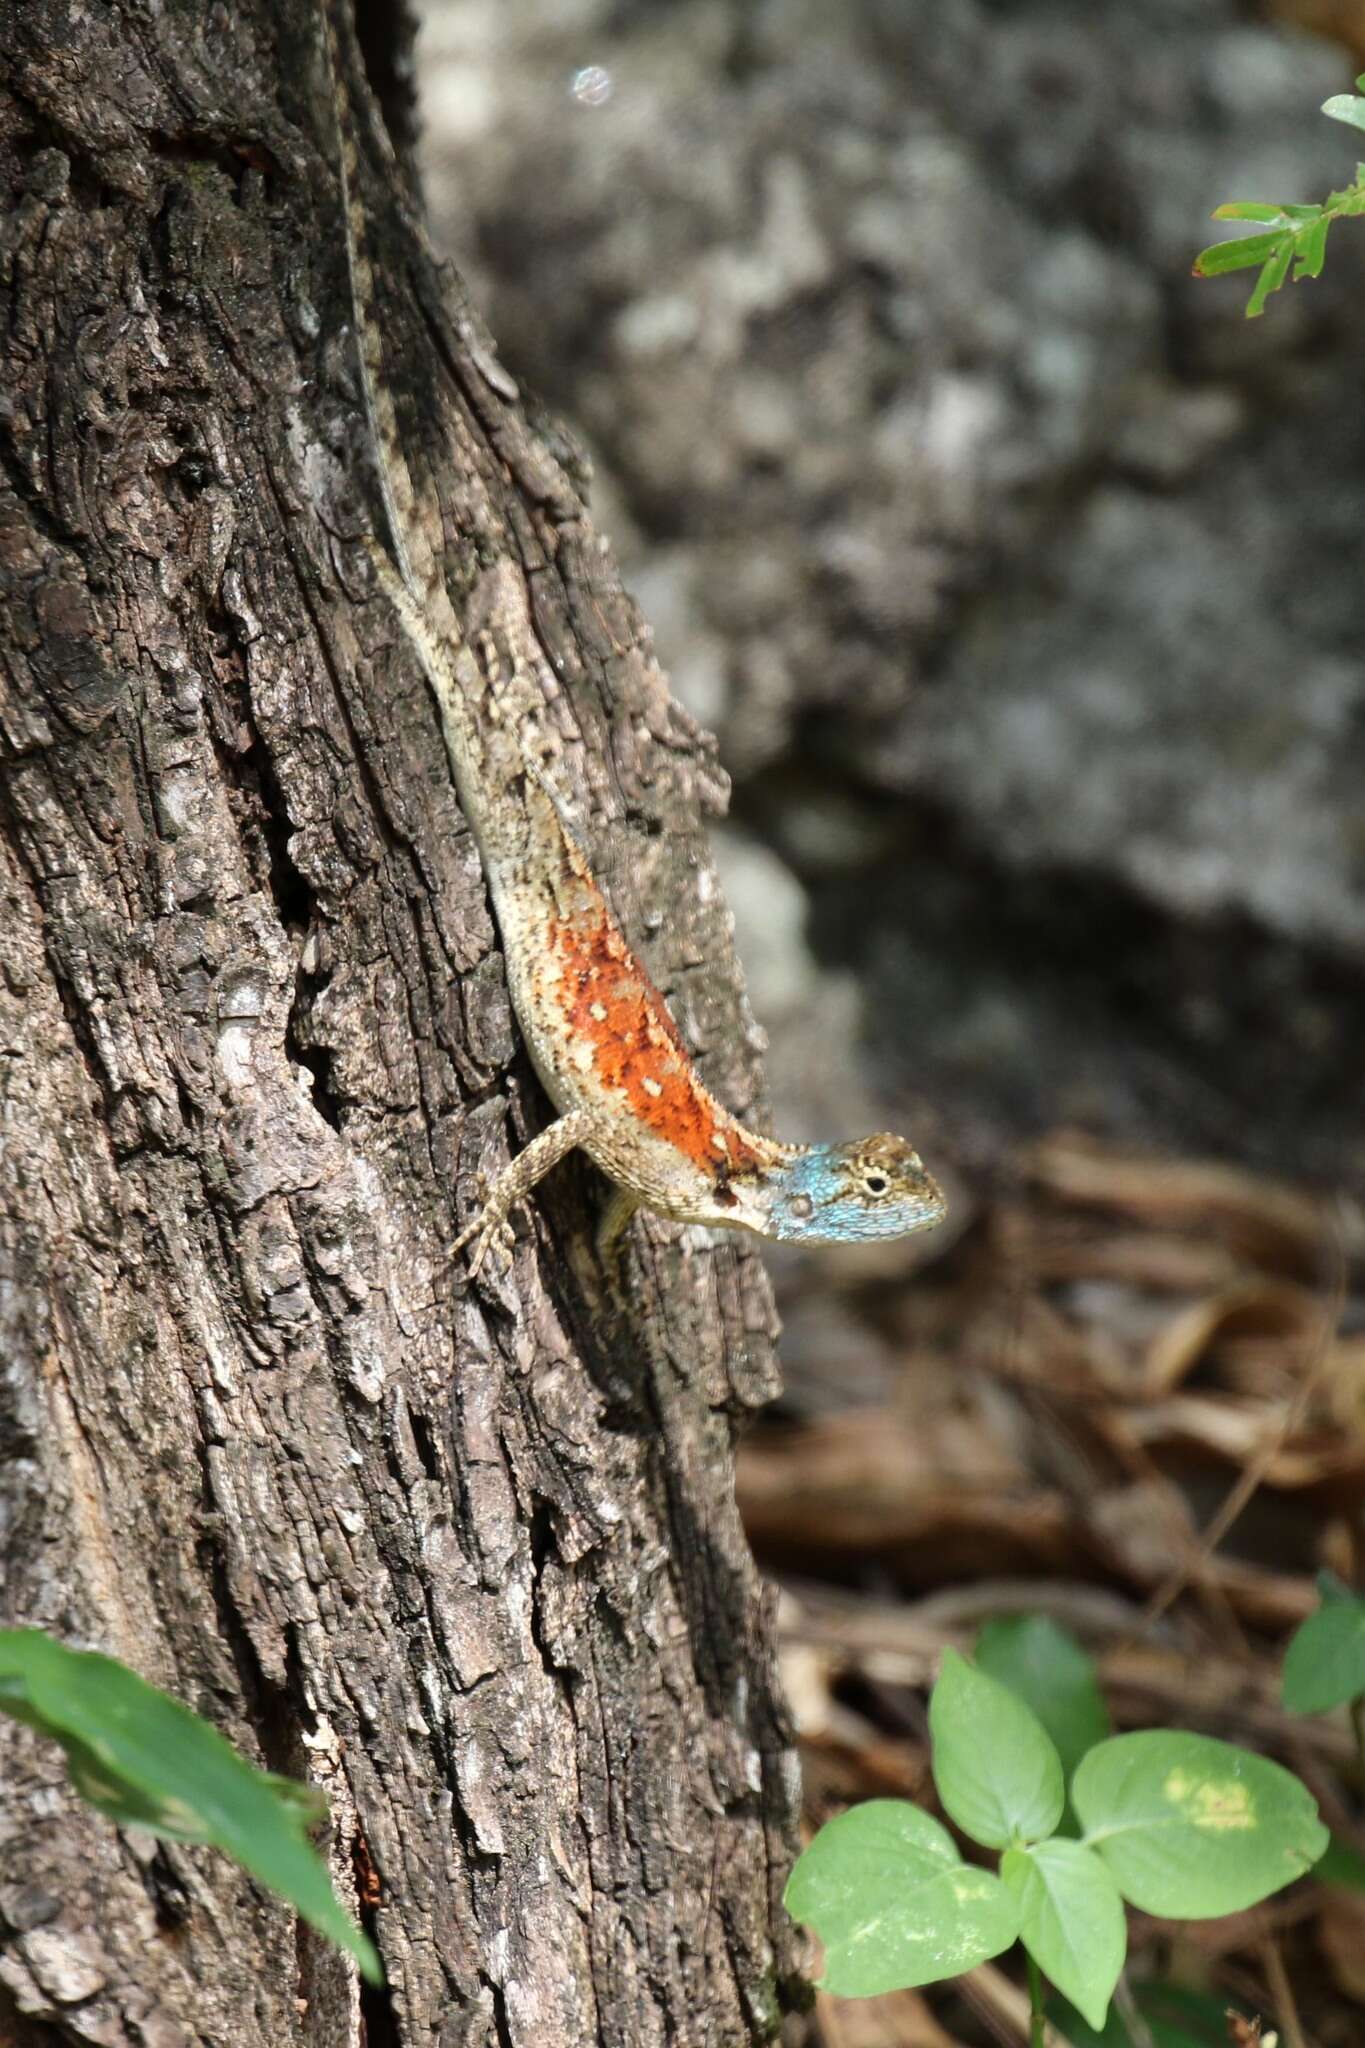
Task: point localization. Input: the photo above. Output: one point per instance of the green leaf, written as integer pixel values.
(145, 1760)
(1341, 1865)
(1247, 209)
(1344, 106)
(887, 1892)
(1071, 1920)
(1192, 1828)
(994, 1764)
(1271, 278)
(1239, 253)
(1324, 1666)
(1349, 201)
(1310, 248)
(1051, 1673)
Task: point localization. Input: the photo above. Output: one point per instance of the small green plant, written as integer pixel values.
(1324, 1666)
(1293, 236)
(146, 1761)
(1179, 1825)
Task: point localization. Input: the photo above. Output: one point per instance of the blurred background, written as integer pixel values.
(1021, 578)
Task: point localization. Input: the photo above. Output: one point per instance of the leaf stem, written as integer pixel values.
(1037, 2033)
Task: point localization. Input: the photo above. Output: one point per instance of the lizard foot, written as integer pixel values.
(495, 1235)
(489, 1231)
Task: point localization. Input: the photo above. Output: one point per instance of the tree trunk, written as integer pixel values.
(466, 1556)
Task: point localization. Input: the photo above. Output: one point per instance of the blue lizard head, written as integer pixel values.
(838, 1194)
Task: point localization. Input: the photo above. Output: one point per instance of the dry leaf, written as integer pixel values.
(1263, 1220)
(900, 2020)
(1254, 1308)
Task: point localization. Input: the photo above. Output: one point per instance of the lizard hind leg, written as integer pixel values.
(611, 1231)
(490, 1228)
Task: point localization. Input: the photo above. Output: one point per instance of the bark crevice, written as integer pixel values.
(385, 1527)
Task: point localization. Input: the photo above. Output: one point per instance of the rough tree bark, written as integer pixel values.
(470, 1559)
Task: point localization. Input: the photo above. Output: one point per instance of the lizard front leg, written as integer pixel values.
(490, 1226)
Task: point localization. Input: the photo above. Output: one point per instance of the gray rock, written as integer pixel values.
(943, 476)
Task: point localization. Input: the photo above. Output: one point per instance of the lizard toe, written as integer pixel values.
(487, 1234)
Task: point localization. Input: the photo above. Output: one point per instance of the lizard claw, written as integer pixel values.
(495, 1234)
(489, 1231)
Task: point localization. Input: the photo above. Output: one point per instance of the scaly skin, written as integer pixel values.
(607, 1051)
(609, 1055)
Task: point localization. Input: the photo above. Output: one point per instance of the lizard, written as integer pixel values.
(599, 1034)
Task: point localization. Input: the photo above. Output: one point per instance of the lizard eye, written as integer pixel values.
(876, 1183)
(802, 1206)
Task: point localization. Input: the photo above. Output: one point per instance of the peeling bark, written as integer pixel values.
(468, 1559)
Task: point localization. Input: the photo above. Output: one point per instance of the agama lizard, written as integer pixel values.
(609, 1055)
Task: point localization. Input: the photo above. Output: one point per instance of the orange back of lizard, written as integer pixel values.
(602, 1038)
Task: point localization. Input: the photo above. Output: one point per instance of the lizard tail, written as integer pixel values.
(395, 479)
